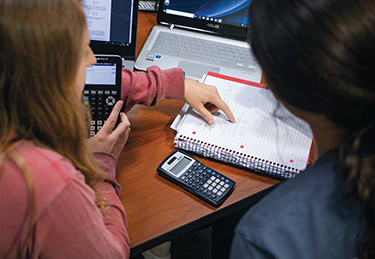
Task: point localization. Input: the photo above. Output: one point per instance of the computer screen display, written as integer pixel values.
(231, 12)
(111, 25)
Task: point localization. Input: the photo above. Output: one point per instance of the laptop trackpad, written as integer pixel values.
(196, 70)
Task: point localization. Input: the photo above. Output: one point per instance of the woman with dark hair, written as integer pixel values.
(318, 58)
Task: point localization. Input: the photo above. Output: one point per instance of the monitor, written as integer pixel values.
(112, 26)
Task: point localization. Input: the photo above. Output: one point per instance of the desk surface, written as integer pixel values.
(158, 210)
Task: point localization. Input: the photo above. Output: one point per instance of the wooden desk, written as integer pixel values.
(158, 210)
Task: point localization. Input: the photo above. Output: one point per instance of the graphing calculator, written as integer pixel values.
(202, 181)
(102, 89)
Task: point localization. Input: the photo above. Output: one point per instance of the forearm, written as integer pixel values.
(150, 87)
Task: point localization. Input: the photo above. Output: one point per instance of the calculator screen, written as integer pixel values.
(101, 74)
(180, 165)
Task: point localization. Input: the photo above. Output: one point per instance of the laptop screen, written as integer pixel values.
(229, 17)
(112, 26)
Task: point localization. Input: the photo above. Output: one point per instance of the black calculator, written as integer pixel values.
(202, 181)
(102, 89)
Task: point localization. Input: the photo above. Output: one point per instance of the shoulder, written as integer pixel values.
(302, 211)
(314, 184)
(46, 164)
(50, 173)
(48, 179)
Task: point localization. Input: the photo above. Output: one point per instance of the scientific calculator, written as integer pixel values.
(202, 181)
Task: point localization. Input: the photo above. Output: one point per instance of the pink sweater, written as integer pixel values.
(68, 222)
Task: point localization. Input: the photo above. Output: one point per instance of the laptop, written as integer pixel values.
(201, 36)
(113, 27)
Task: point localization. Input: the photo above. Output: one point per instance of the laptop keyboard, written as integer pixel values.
(204, 50)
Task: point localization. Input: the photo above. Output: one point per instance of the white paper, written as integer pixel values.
(264, 128)
(98, 16)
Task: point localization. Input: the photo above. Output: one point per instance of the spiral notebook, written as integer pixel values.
(266, 138)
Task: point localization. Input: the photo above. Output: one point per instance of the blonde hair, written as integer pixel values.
(40, 48)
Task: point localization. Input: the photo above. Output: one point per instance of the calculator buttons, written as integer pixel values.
(206, 181)
(110, 101)
(101, 103)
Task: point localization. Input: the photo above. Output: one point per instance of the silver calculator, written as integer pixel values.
(202, 181)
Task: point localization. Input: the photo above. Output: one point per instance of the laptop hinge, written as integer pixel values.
(171, 26)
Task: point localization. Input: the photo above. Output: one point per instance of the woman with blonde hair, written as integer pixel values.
(58, 191)
(50, 185)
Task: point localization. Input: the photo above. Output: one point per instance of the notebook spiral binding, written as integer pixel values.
(225, 155)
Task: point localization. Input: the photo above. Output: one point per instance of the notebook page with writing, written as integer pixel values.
(266, 137)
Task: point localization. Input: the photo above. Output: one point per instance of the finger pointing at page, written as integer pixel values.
(205, 99)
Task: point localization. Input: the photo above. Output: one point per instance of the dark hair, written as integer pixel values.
(319, 56)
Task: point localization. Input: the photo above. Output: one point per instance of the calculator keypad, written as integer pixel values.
(101, 104)
(207, 181)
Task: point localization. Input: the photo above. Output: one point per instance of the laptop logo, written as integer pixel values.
(211, 25)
